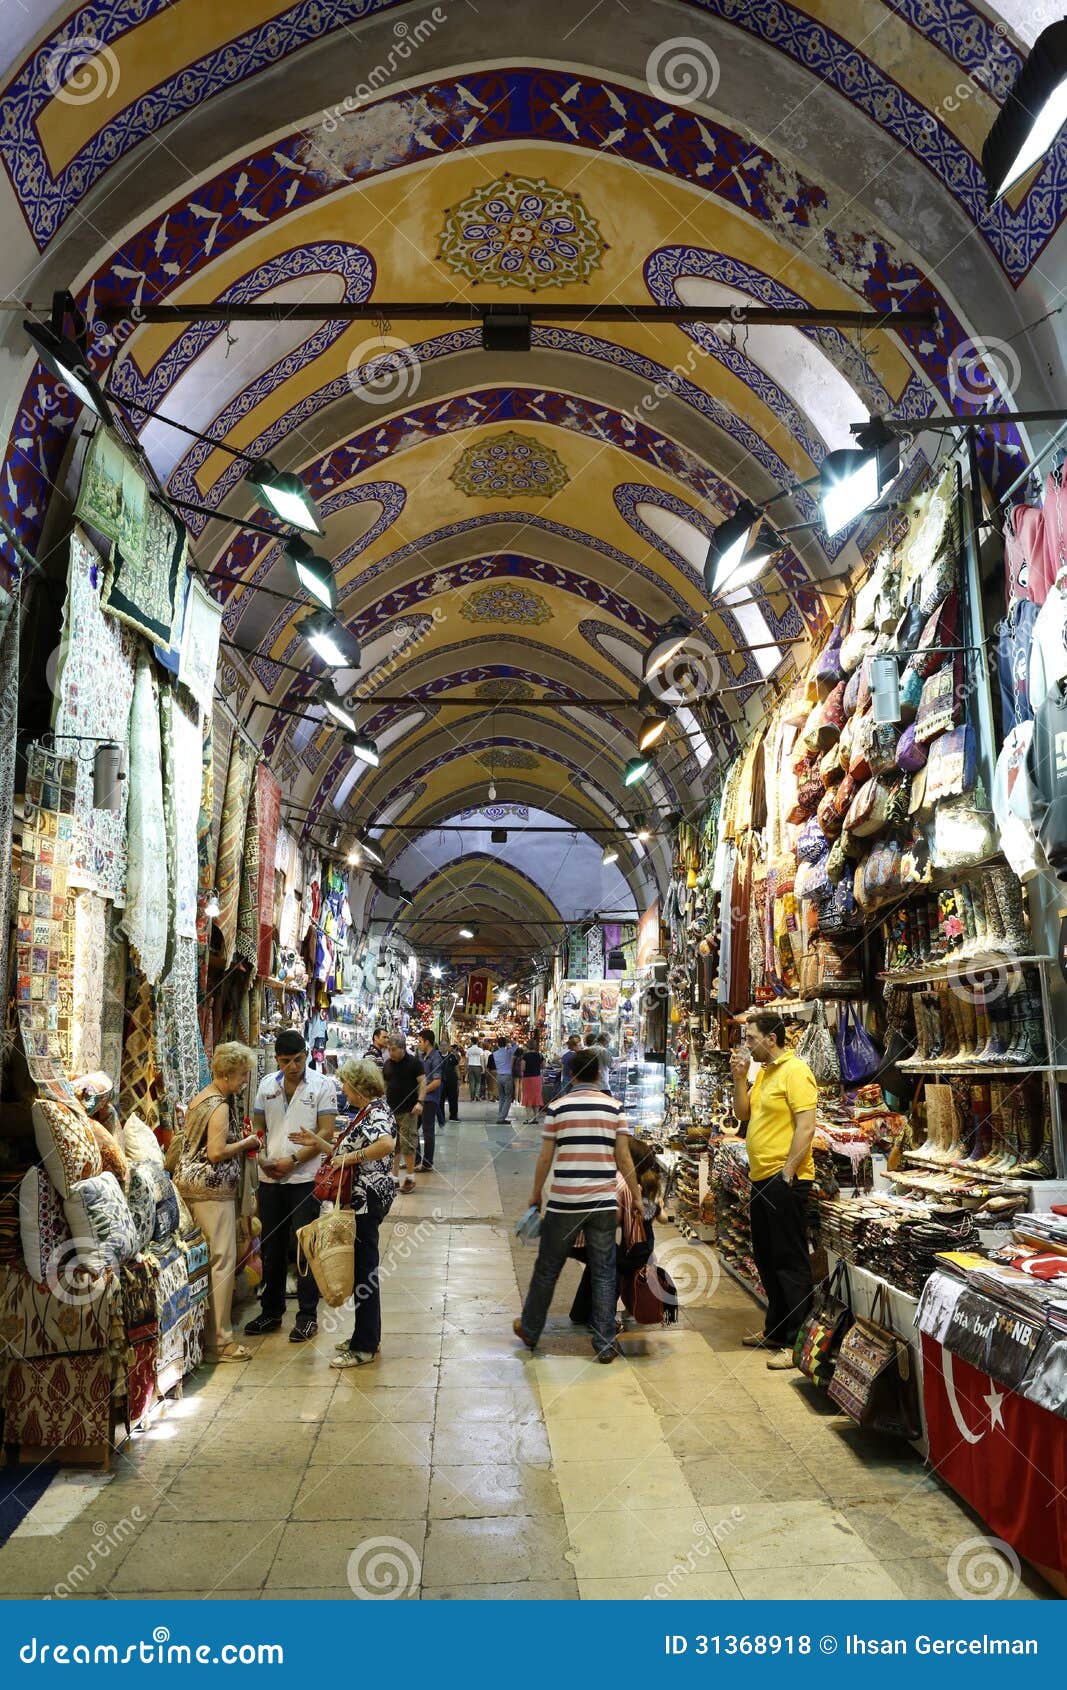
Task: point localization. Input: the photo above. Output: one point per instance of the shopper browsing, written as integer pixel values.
(378, 1049)
(433, 1100)
(532, 1093)
(293, 1098)
(637, 1238)
(405, 1088)
(450, 1083)
(360, 1160)
(779, 1109)
(585, 1141)
(603, 1057)
(574, 1044)
(475, 1071)
(504, 1067)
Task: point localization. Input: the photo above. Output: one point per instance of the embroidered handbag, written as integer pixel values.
(874, 1381)
(837, 970)
(857, 1054)
(811, 843)
(937, 582)
(869, 811)
(940, 704)
(860, 766)
(820, 1337)
(816, 1047)
(855, 647)
(911, 756)
(830, 770)
(827, 817)
(841, 912)
(852, 693)
(837, 865)
(809, 793)
(882, 747)
(819, 732)
(828, 670)
(911, 690)
(879, 878)
(844, 794)
(833, 712)
(964, 832)
(952, 767)
(939, 630)
(909, 628)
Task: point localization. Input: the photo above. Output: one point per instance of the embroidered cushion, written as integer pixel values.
(66, 1144)
(166, 1218)
(42, 1223)
(100, 1221)
(112, 1155)
(141, 1198)
(140, 1142)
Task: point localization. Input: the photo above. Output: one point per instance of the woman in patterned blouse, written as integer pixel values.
(362, 1155)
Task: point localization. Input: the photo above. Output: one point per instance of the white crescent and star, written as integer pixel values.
(992, 1399)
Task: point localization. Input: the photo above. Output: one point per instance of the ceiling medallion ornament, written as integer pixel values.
(505, 689)
(498, 603)
(510, 466)
(521, 232)
(508, 759)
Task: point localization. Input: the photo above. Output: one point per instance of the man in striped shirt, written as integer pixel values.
(585, 1141)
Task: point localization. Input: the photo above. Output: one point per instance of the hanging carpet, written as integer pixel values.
(246, 940)
(145, 919)
(200, 645)
(269, 800)
(90, 952)
(44, 987)
(228, 866)
(9, 691)
(141, 1091)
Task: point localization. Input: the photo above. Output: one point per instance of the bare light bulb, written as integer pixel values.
(492, 793)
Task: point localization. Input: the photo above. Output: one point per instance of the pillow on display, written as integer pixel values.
(167, 1215)
(101, 1224)
(42, 1224)
(141, 1198)
(66, 1144)
(140, 1142)
(112, 1156)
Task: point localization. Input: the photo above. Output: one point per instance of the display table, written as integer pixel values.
(863, 1287)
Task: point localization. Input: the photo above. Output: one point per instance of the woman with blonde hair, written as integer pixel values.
(361, 1178)
(209, 1178)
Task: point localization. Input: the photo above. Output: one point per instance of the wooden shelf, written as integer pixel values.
(996, 1069)
(958, 965)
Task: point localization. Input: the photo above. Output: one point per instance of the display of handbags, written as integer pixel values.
(819, 1339)
(874, 1379)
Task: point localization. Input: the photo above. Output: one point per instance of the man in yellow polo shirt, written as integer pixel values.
(779, 1109)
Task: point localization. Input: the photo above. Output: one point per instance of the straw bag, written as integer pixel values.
(328, 1247)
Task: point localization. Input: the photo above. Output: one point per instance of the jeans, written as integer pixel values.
(476, 1082)
(505, 1094)
(428, 1122)
(627, 1263)
(282, 1209)
(450, 1098)
(778, 1217)
(367, 1332)
(554, 1246)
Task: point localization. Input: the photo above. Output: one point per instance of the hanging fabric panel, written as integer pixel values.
(230, 858)
(9, 691)
(145, 918)
(269, 800)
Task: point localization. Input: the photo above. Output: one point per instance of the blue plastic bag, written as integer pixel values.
(529, 1227)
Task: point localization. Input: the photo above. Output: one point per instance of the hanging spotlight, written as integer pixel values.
(354, 858)
(653, 729)
(67, 358)
(636, 769)
(109, 772)
(285, 496)
(390, 887)
(498, 836)
(739, 549)
(505, 329)
(330, 640)
(1031, 116)
(854, 478)
(372, 854)
(336, 708)
(363, 748)
(670, 641)
(885, 688)
(468, 932)
(313, 573)
(333, 838)
(611, 855)
(436, 971)
(642, 831)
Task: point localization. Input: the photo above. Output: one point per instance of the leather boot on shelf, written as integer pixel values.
(982, 1027)
(1015, 1122)
(950, 1031)
(994, 1156)
(997, 1043)
(968, 1024)
(982, 1131)
(965, 906)
(1009, 896)
(922, 1031)
(1014, 1001)
(966, 1125)
(1040, 1157)
(933, 1022)
(990, 918)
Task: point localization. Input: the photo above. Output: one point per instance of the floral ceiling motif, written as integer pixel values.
(497, 603)
(522, 232)
(508, 759)
(510, 466)
(504, 689)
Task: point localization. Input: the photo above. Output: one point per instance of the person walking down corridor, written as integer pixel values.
(504, 1065)
(405, 1087)
(475, 1071)
(433, 1101)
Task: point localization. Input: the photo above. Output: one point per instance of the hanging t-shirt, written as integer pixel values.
(1013, 805)
(1048, 647)
(1046, 765)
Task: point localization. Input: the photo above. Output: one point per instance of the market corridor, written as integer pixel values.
(459, 1466)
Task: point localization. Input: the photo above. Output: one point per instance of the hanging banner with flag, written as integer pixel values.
(477, 992)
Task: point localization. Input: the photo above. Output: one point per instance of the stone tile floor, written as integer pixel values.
(461, 1466)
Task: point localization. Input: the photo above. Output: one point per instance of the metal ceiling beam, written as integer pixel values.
(453, 310)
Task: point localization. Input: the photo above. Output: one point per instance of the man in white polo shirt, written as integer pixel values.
(294, 1097)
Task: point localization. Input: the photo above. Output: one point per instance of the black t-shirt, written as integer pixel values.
(402, 1083)
(531, 1064)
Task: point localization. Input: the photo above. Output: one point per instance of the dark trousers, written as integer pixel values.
(778, 1215)
(450, 1100)
(555, 1244)
(626, 1263)
(428, 1124)
(282, 1209)
(367, 1332)
(476, 1082)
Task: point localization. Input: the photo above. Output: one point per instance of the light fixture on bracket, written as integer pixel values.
(1032, 115)
(611, 855)
(364, 748)
(369, 850)
(330, 640)
(336, 708)
(468, 931)
(739, 549)
(285, 496)
(642, 831)
(65, 355)
(636, 769)
(653, 728)
(314, 574)
(505, 328)
(671, 639)
(855, 477)
(436, 971)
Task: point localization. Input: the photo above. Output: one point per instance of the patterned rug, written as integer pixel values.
(269, 795)
(113, 1007)
(9, 693)
(200, 645)
(179, 1042)
(145, 919)
(90, 950)
(44, 927)
(228, 866)
(141, 1090)
(246, 941)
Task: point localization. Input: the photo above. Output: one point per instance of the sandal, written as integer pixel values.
(230, 1352)
(408, 1185)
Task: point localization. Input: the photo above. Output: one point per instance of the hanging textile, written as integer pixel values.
(113, 1012)
(222, 737)
(44, 925)
(184, 771)
(145, 585)
(200, 645)
(246, 940)
(90, 950)
(289, 863)
(113, 496)
(141, 1087)
(179, 1041)
(232, 841)
(269, 802)
(145, 918)
(9, 689)
(94, 692)
(205, 855)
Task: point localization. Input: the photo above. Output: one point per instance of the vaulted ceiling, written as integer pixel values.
(519, 520)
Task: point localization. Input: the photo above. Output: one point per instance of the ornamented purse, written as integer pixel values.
(951, 769)
(940, 704)
(819, 1339)
(869, 811)
(874, 1381)
(811, 844)
(816, 1047)
(827, 817)
(911, 756)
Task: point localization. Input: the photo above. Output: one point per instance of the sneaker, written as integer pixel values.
(262, 1323)
(353, 1358)
(756, 1341)
(780, 1361)
(607, 1355)
(408, 1185)
(304, 1328)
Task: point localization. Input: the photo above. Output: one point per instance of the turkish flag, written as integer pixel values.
(477, 991)
(1004, 1455)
